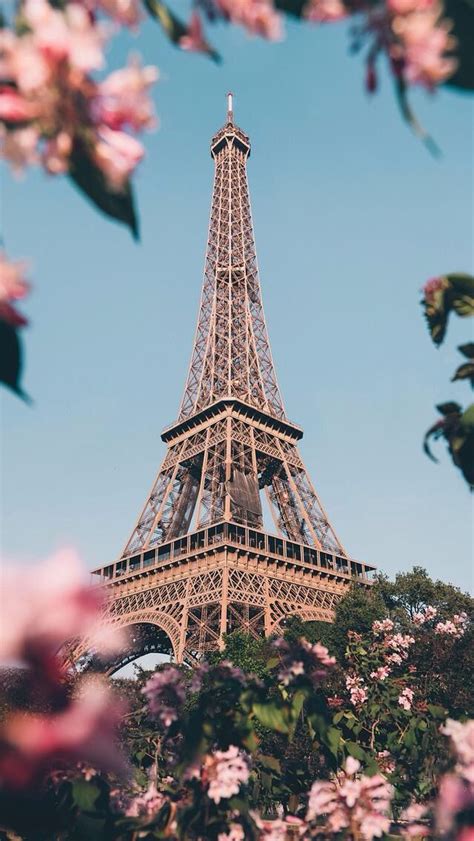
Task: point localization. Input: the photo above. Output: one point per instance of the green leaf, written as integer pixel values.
(85, 794)
(174, 28)
(449, 408)
(464, 372)
(467, 350)
(118, 204)
(409, 116)
(273, 717)
(11, 358)
(356, 751)
(333, 738)
(436, 711)
(270, 762)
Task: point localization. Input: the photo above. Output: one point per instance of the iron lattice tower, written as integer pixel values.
(199, 561)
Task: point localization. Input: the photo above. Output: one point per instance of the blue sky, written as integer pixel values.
(351, 216)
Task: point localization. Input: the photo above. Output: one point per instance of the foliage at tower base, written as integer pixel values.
(270, 739)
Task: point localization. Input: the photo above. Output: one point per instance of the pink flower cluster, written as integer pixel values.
(358, 803)
(405, 699)
(50, 107)
(13, 287)
(303, 658)
(422, 42)
(225, 772)
(41, 610)
(357, 690)
(381, 673)
(382, 627)
(455, 627)
(165, 693)
(412, 33)
(278, 829)
(146, 803)
(258, 17)
(413, 815)
(325, 11)
(423, 616)
(43, 607)
(235, 833)
(397, 646)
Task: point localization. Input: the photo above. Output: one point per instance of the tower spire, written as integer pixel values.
(230, 107)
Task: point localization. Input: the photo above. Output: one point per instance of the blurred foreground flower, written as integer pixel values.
(45, 606)
(52, 111)
(355, 802)
(41, 610)
(84, 731)
(13, 287)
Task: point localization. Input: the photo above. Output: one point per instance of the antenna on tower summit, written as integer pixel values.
(230, 107)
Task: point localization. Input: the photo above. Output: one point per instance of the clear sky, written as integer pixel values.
(351, 216)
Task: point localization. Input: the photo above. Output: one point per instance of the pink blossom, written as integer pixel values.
(303, 658)
(398, 645)
(405, 7)
(433, 287)
(455, 627)
(344, 802)
(425, 43)
(394, 658)
(385, 761)
(125, 12)
(382, 627)
(291, 671)
(462, 737)
(45, 606)
(56, 153)
(21, 61)
(236, 833)
(413, 814)
(357, 690)
(225, 771)
(117, 155)
(145, 804)
(123, 98)
(318, 652)
(165, 694)
(13, 285)
(19, 147)
(259, 17)
(70, 35)
(455, 795)
(405, 699)
(381, 673)
(83, 732)
(425, 615)
(279, 829)
(14, 108)
(325, 11)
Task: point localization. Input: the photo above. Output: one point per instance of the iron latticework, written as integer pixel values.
(200, 560)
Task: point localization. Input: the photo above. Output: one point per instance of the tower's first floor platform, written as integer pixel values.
(187, 593)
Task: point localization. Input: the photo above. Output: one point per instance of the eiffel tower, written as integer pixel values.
(200, 561)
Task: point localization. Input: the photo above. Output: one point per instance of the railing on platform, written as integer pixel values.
(256, 542)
